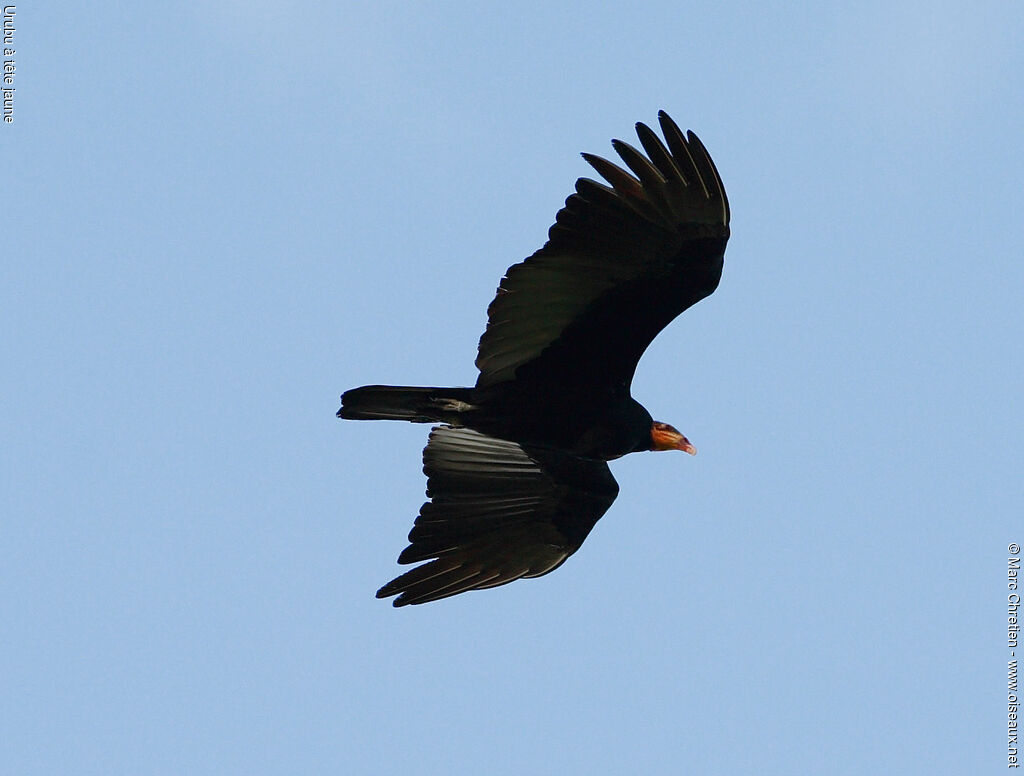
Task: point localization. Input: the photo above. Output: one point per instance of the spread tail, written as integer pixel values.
(395, 402)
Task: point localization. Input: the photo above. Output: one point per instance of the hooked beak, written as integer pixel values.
(665, 437)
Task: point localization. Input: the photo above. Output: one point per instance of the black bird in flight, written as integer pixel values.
(517, 471)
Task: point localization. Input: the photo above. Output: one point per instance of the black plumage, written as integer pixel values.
(517, 475)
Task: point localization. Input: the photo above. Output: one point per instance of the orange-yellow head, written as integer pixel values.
(665, 437)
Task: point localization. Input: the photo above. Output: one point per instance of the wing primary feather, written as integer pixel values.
(660, 156)
(621, 181)
(436, 595)
(597, 195)
(456, 580)
(638, 163)
(680, 150)
(628, 187)
(650, 177)
(709, 165)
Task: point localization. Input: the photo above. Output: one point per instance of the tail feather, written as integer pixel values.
(396, 402)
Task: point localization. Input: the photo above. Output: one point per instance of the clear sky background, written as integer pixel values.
(218, 216)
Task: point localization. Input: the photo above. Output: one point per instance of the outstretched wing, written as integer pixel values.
(620, 263)
(497, 513)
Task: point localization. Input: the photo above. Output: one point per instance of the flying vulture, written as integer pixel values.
(517, 470)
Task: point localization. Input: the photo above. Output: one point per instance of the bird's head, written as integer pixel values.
(665, 437)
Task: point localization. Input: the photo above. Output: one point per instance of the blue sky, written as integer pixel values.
(217, 217)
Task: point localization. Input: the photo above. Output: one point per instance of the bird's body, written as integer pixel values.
(602, 428)
(517, 473)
